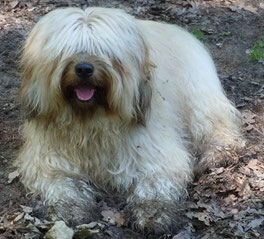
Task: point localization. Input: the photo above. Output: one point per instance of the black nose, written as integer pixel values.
(84, 70)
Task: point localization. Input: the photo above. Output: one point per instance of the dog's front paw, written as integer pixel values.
(155, 217)
(214, 157)
(218, 155)
(74, 213)
(77, 203)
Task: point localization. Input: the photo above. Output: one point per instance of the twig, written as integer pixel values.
(253, 127)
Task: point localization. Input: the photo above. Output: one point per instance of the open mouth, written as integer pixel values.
(84, 93)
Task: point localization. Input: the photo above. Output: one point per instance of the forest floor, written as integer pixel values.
(226, 202)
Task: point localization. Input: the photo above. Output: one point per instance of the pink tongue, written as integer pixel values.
(84, 93)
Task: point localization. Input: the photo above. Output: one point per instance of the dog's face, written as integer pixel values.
(86, 83)
(76, 62)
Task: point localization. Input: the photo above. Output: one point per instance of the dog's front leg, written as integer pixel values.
(155, 207)
(77, 201)
(70, 198)
(70, 195)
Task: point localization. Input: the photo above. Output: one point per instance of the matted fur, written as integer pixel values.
(162, 103)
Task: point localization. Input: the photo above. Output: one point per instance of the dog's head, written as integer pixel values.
(79, 61)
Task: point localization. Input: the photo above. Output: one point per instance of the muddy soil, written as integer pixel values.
(226, 202)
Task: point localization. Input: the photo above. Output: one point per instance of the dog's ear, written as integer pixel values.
(142, 104)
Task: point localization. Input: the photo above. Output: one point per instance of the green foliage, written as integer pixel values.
(225, 34)
(257, 50)
(199, 34)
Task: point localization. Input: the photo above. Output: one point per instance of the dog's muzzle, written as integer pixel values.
(84, 91)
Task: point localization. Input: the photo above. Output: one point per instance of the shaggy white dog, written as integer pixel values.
(116, 104)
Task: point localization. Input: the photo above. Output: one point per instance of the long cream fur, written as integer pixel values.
(184, 110)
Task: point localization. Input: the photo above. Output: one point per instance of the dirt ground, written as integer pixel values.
(227, 202)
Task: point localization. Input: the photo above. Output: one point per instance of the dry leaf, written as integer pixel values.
(14, 4)
(113, 218)
(250, 9)
(253, 163)
(12, 176)
(248, 128)
(184, 234)
(204, 217)
(87, 226)
(255, 223)
(234, 8)
(18, 217)
(249, 117)
(220, 170)
(108, 216)
(119, 220)
(26, 209)
(28, 217)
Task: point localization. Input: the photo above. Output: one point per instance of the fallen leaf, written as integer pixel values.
(18, 217)
(26, 209)
(28, 217)
(250, 9)
(249, 117)
(119, 220)
(113, 218)
(255, 223)
(253, 163)
(14, 4)
(246, 98)
(108, 216)
(234, 8)
(94, 231)
(220, 170)
(12, 176)
(204, 217)
(183, 234)
(248, 128)
(87, 226)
